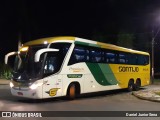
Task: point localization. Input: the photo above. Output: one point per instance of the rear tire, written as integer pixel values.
(137, 85)
(130, 85)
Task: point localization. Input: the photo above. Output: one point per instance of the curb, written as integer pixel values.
(4, 82)
(153, 99)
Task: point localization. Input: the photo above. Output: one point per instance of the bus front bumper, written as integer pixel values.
(25, 92)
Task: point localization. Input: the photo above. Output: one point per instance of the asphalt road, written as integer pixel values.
(117, 100)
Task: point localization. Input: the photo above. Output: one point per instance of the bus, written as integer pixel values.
(70, 66)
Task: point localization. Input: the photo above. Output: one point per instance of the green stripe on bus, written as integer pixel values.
(102, 74)
(107, 71)
(86, 44)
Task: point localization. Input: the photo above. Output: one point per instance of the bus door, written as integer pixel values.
(53, 80)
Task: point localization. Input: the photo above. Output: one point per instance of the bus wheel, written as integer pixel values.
(137, 85)
(130, 85)
(72, 91)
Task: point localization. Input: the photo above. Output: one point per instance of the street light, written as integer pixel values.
(153, 41)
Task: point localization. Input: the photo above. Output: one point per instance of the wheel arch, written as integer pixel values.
(131, 80)
(66, 87)
(77, 85)
(138, 80)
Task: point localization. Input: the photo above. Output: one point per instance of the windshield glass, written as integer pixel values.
(50, 62)
(25, 66)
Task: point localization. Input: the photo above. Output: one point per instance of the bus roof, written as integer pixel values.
(83, 42)
(114, 47)
(49, 40)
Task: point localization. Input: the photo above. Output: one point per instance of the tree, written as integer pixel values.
(125, 39)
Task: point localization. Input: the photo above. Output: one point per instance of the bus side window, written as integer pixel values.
(87, 55)
(132, 59)
(110, 57)
(143, 60)
(95, 56)
(122, 58)
(146, 59)
(79, 54)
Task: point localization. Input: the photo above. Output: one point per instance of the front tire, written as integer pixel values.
(72, 92)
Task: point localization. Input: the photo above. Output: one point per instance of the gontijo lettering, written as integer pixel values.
(128, 69)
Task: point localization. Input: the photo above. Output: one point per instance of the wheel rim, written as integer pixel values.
(130, 86)
(138, 84)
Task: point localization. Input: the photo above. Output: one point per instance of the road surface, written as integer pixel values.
(117, 100)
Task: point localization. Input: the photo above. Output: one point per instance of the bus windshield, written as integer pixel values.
(25, 66)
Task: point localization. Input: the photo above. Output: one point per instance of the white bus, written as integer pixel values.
(69, 66)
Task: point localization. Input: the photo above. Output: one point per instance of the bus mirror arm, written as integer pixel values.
(41, 51)
(8, 55)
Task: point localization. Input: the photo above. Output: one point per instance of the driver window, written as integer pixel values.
(51, 64)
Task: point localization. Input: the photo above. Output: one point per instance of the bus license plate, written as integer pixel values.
(19, 93)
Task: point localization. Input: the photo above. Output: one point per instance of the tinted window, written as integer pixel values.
(79, 54)
(132, 59)
(95, 55)
(122, 58)
(110, 57)
(142, 60)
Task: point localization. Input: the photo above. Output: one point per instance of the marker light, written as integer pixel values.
(23, 49)
(11, 84)
(35, 85)
(45, 42)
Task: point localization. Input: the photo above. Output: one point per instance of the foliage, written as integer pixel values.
(5, 71)
(104, 36)
(125, 40)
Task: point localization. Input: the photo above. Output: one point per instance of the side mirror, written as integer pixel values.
(41, 51)
(8, 55)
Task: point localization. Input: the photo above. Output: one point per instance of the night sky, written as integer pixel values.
(32, 19)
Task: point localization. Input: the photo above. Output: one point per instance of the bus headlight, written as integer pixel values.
(35, 85)
(11, 84)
